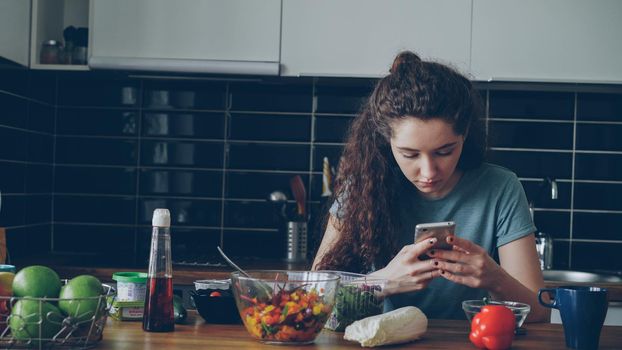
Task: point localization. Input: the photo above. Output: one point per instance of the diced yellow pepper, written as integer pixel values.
(317, 309)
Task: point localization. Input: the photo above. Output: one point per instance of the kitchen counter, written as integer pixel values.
(187, 275)
(68, 267)
(442, 334)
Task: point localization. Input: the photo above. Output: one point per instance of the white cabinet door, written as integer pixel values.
(15, 30)
(547, 40)
(361, 37)
(187, 31)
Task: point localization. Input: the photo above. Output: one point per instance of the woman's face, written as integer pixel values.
(427, 152)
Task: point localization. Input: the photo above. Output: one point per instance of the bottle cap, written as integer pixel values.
(161, 218)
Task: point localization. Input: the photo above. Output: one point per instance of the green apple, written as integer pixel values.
(82, 297)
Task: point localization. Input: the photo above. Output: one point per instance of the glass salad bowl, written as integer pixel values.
(284, 307)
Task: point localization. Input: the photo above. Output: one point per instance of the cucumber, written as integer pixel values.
(179, 311)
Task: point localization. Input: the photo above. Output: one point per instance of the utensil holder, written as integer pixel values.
(296, 241)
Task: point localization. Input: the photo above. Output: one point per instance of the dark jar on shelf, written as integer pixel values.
(50, 52)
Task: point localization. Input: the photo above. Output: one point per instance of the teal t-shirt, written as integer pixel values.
(489, 207)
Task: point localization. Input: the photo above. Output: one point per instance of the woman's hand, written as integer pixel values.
(406, 272)
(467, 264)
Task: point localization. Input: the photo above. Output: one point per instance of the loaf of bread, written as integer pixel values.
(398, 326)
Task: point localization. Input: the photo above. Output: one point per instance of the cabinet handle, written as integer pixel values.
(184, 65)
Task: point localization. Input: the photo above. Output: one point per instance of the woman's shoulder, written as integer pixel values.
(493, 174)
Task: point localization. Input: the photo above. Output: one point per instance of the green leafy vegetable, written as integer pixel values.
(355, 302)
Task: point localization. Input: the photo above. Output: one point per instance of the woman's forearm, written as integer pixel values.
(511, 289)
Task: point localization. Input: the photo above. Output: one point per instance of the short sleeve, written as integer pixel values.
(337, 210)
(514, 220)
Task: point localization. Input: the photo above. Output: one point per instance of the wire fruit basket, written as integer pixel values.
(38, 323)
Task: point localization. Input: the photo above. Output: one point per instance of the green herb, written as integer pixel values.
(354, 303)
(285, 309)
(268, 329)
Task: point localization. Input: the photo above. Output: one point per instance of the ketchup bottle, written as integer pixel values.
(158, 314)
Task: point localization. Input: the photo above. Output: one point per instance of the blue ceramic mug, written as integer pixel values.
(582, 310)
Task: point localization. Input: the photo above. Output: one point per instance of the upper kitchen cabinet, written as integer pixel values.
(199, 36)
(553, 40)
(360, 38)
(53, 43)
(15, 30)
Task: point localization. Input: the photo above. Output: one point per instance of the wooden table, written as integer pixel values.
(442, 334)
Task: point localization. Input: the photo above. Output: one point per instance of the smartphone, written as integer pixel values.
(439, 230)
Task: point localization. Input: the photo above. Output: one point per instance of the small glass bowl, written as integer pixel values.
(520, 310)
(214, 301)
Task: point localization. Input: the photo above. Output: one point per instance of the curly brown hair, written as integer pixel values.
(367, 183)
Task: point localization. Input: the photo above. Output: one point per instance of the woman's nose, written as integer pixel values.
(428, 168)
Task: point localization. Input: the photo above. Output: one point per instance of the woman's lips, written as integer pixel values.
(427, 184)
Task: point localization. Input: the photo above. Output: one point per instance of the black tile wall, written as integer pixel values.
(272, 97)
(260, 127)
(184, 125)
(93, 90)
(601, 137)
(582, 150)
(96, 240)
(331, 128)
(541, 135)
(94, 209)
(26, 158)
(184, 212)
(344, 96)
(199, 154)
(532, 105)
(599, 106)
(82, 122)
(604, 226)
(95, 180)
(197, 183)
(584, 255)
(535, 163)
(94, 153)
(167, 95)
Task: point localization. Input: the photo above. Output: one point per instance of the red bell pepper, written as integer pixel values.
(493, 328)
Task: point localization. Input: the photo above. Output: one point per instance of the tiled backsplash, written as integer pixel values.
(26, 158)
(86, 157)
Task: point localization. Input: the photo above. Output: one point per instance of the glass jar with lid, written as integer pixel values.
(50, 52)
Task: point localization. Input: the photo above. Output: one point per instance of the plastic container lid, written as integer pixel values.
(212, 284)
(161, 218)
(7, 268)
(131, 277)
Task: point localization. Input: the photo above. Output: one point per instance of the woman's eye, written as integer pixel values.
(410, 156)
(445, 152)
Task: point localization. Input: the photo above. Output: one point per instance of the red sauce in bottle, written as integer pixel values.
(158, 314)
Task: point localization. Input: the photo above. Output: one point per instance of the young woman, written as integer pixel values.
(415, 154)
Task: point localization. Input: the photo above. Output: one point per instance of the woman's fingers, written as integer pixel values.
(461, 279)
(423, 267)
(424, 245)
(451, 255)
(464, 244)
